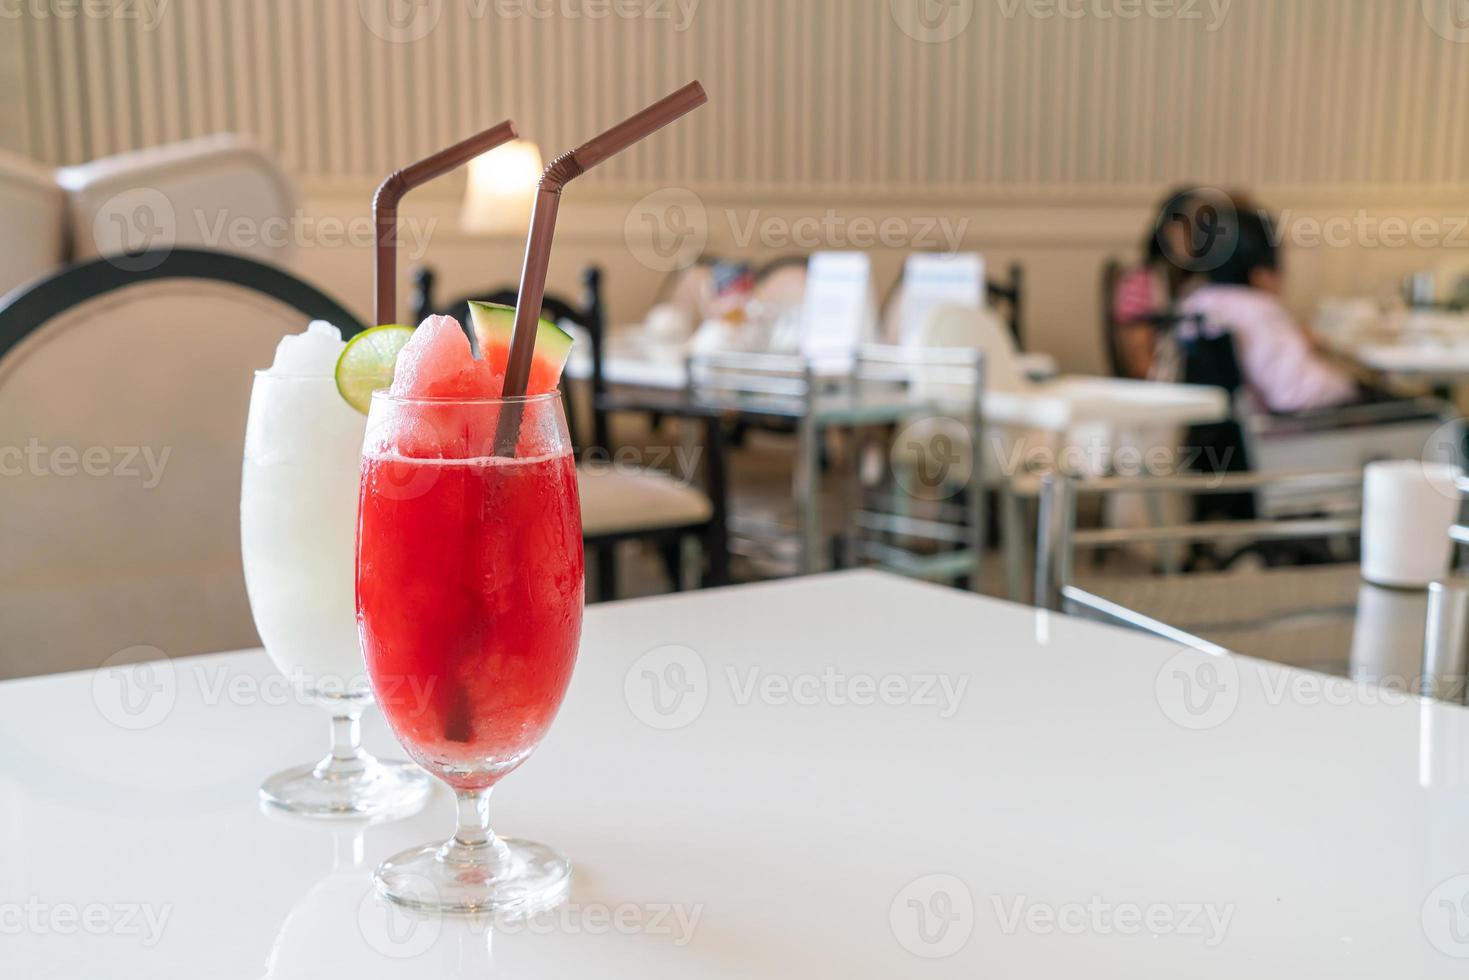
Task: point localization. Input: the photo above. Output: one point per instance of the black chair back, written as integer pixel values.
(1009, 297)
(1218, 447)
(1111, 342)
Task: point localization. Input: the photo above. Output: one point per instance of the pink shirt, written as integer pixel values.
(1137, 296)
(1275, 357)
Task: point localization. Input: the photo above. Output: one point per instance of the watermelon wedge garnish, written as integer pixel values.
(494, 324)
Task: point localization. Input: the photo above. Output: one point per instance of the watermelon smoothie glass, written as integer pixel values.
(469, 598)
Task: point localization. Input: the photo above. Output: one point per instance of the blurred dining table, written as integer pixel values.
(1422, 345)
(654, 379)
(634, 361)
(1045, 401)
(849, 775)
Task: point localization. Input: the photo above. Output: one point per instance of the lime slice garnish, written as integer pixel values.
(367, 363)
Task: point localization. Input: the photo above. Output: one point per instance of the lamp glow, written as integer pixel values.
(501, 189)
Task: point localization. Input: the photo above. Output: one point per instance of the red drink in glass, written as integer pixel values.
(470, 590)
(469, 606)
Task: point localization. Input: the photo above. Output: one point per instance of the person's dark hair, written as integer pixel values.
(1248, 237)
(1176, 201)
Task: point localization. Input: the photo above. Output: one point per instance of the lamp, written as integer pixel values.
(501, 189)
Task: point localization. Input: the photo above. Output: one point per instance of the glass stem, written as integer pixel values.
(347, 757)
(473, 841)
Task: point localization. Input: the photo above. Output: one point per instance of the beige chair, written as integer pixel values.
(1002, 299)
(33, 214)
(216, 192)
(122, 417)
(633, 501)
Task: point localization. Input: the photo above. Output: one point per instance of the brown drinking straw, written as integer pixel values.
(391, 191)
(543, 224)
(385, 281)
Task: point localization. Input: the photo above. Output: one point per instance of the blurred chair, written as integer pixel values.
(619, 501)
(218, 192)
(1059, 538)
(123, 397)
(961, 327)
(935, 537)
(980, 330)
(930, 519)
(33, 213)
(1446, 635)
(1338, 438)
(1005, 298)
(774, 392)
(1009, 297)
(1111, 329)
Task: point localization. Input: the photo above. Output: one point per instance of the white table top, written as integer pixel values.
(1446, 361)
(1029, 820)
(1059, 403)
(1426, 345)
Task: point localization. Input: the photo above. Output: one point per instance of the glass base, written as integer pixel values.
(507, 877)
(375, 790)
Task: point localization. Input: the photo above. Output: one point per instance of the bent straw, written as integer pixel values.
(385, 282)
(561, 171)
(391, 191)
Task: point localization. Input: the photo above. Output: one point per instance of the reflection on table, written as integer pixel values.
(1323, 618)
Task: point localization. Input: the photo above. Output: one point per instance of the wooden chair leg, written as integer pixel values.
(606, 572)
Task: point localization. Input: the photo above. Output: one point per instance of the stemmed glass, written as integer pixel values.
(297, 526)
(469, 597)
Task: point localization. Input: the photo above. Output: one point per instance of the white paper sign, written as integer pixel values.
(931, 279)
(838, 312)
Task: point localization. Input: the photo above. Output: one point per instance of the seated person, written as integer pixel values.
(1241, 296)
(1144, 293)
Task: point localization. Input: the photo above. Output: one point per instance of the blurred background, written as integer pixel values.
(1042, 132)
(1234, 231)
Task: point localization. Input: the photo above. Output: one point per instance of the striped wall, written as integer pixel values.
(808, 94)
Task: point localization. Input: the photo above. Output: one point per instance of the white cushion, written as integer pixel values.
(129, 554)
(33, 214)
(213, 192)
(615, 499)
